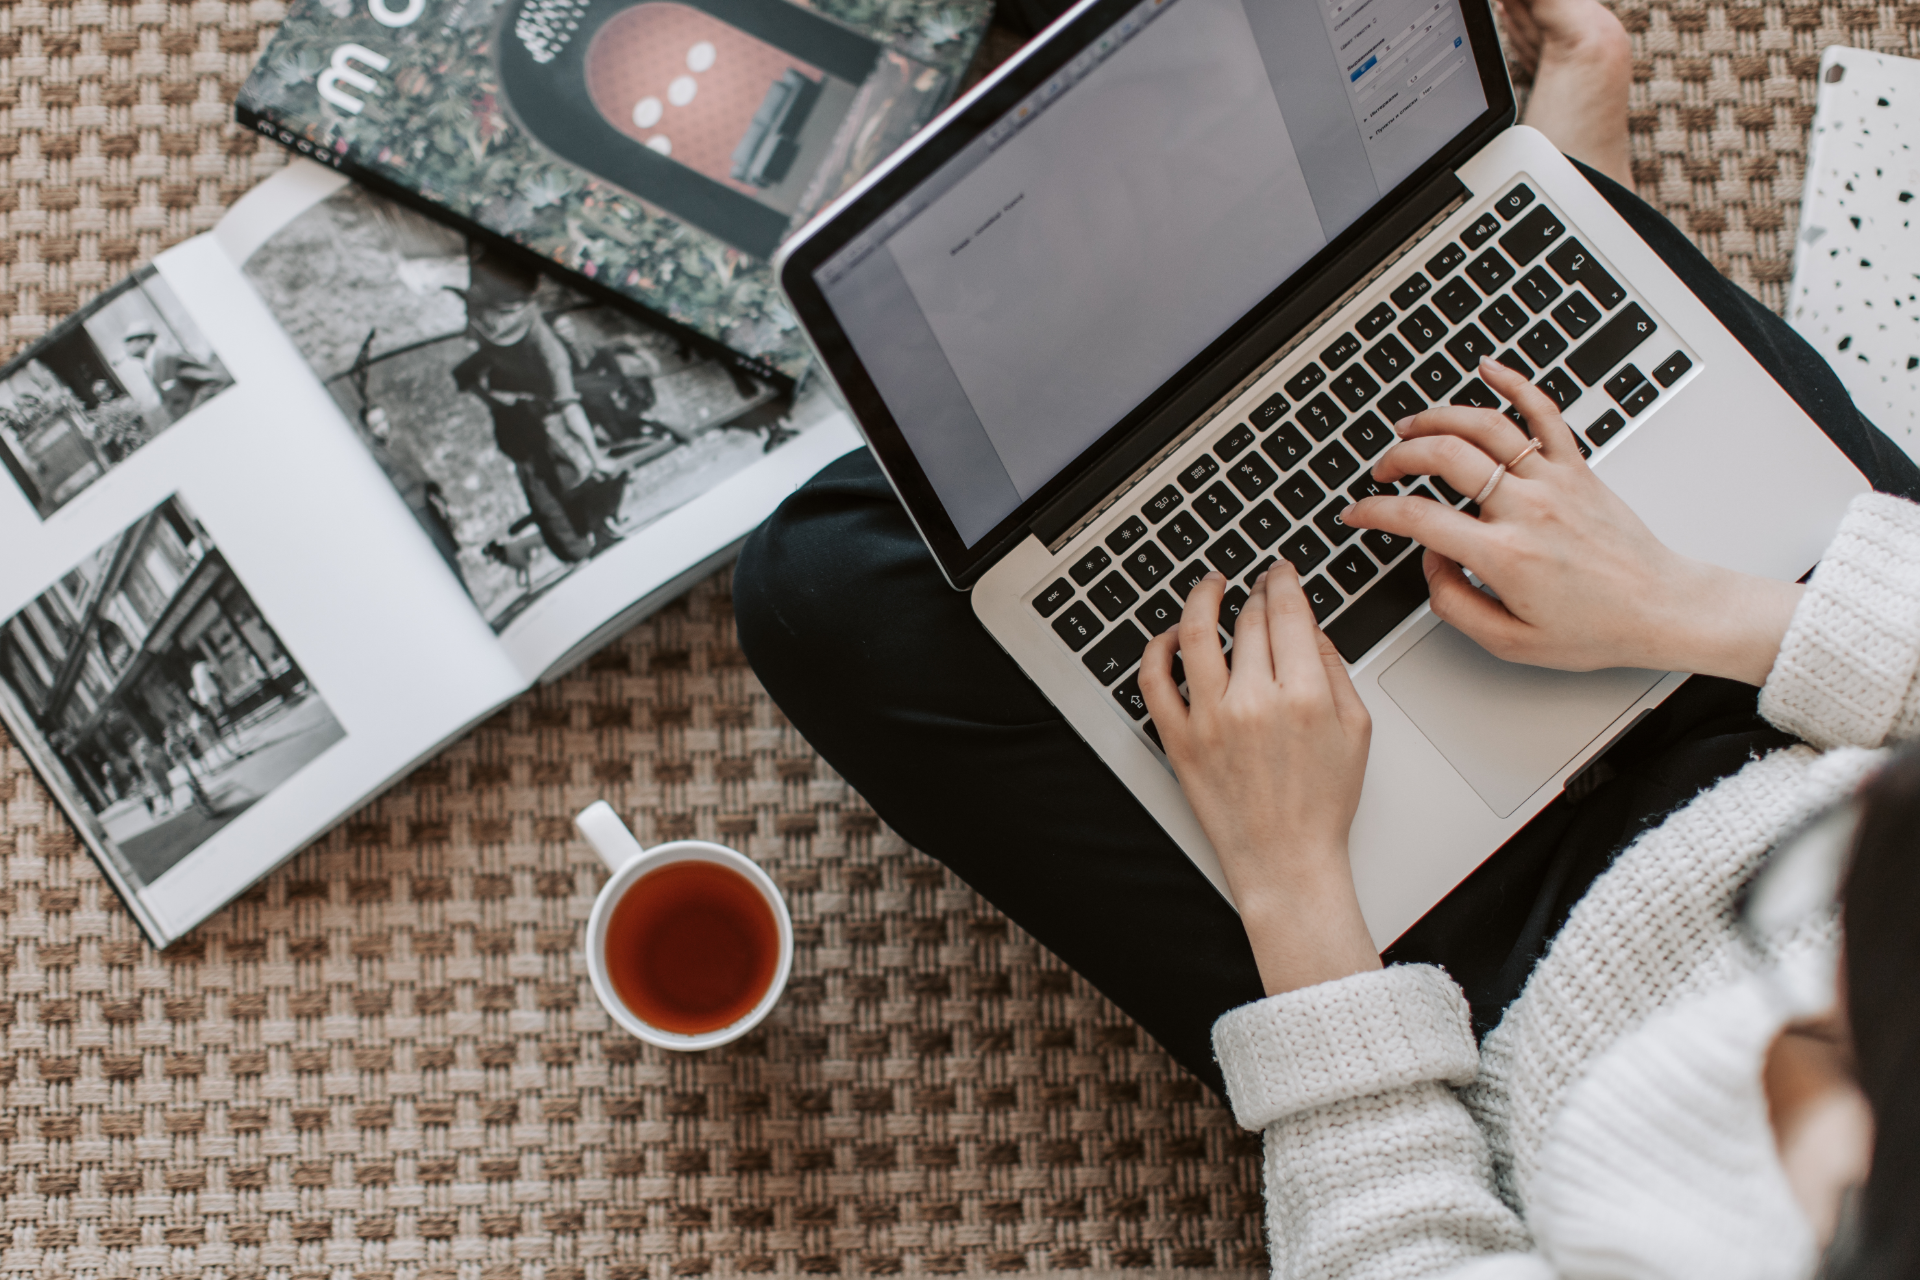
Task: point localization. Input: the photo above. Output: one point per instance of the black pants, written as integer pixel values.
(884, 668)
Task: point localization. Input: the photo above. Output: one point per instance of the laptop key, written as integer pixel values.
(1613, 342)
(1269, 411)
(1147, 565)
(1329, 523)
(1490, 271)
(1078, 625)
(1352, 569)
(1436, 377)
(1484, 228)
(1411, 291)
(1252, 476)
(1264, 524)
(1154, 733)
(1230, 554)
(1354, 387)
(1385, 546)
(1322, 596)
(1516, 362)
(1198, 472)
(1669, 370)
(1446, 260)
(1537, 289)
(1127, 694)
(1379, 609)
(1422, 329)
(1230, 606)
(1300, 495)
(1126, 535)
(1509, 205)
(1217, 506)
(1468, 344)
(1090, 565)
(1401, 402)
(1048, 602)
(1231, 445)
(1158, 613)
(1368, 435)
(1113, 595)
(1344, 348)
(1333, 465)
(1367, 487)
(1389, 358)
(1576, 315)
(1320, 416)
(1504, 319)
(1638, 402)
(1572, 263)
(1624, 381)
(1305, 380)
(1288, 446)
(1543, 343)
(1188, 578)
(1448, 494)
(1115, 653)
(1372, 324)
(1183, 535)
(1532, 234)
(1162, 504)
(1476, 394)
(1560, 389)
(1606, 427)
(1456, 300)
(1303, 549)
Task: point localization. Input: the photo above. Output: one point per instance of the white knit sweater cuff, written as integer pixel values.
(1359, 1036)
(1845, 673)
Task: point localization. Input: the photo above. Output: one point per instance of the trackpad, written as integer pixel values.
(1507, 728)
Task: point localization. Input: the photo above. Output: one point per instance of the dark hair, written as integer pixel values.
(1880, 913)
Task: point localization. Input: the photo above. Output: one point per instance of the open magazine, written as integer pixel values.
(298, 503)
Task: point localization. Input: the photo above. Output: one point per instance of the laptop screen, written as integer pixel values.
(1076, 255)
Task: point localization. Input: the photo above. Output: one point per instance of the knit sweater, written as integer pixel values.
(1613, 1123)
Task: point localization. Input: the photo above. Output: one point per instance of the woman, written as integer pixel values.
(1650, 1097)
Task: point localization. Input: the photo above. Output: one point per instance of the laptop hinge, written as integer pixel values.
(1246, 362)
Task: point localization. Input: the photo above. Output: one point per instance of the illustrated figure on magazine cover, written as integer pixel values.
(523, 372)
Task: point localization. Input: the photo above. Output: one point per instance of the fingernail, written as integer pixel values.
(1347, 511)
(1213, 574)
(1400, 427)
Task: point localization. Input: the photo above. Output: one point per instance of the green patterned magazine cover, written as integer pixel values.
(661, 148)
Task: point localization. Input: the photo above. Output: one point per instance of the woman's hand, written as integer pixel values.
(1581, 583)
(1271, 753)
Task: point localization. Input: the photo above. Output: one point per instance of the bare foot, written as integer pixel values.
(1582, 68)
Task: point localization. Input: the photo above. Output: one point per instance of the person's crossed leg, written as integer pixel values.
(884, 668)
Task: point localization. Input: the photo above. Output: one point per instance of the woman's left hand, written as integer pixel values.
(1271, 752)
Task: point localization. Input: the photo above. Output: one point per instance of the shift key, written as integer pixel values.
(1615, 341)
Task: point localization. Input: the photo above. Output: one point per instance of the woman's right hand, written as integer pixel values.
(1578, 582)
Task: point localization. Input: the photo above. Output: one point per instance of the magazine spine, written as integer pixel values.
(342, 161)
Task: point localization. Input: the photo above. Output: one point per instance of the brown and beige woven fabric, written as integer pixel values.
(384, 1062)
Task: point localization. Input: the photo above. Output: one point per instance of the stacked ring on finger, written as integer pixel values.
(1499, 472)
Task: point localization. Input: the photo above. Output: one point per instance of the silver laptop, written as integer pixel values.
(1146, 301)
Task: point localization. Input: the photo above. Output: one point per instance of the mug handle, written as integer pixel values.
(608, 835)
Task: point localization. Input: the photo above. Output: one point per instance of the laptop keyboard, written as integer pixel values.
(1514, 282)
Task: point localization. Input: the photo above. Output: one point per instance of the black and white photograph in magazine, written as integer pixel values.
(168, 704)
(103, 384)
(528, 427)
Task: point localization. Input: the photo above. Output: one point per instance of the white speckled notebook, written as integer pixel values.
(1856, 271)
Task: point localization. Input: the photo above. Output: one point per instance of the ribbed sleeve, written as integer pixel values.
(1367, 1034)
(1845, 674)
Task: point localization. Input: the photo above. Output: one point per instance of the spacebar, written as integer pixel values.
(1380, 609)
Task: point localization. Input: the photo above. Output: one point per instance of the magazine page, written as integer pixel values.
(664, 150)
(219, 631)
(566, 459)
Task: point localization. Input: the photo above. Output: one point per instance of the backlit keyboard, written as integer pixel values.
(1513, 282)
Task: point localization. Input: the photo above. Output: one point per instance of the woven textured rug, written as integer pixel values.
(384, 1063)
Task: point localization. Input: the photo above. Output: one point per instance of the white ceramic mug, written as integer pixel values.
(624, 857)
